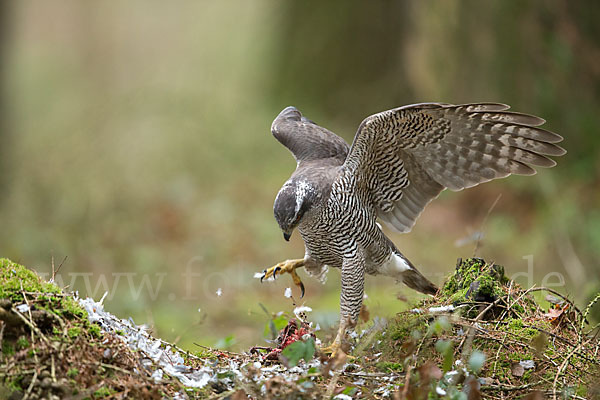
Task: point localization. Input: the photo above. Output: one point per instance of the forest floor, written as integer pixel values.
(482, 336)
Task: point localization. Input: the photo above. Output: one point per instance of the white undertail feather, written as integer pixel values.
(394, 266)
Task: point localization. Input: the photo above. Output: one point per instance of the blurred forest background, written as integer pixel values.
(134, 140)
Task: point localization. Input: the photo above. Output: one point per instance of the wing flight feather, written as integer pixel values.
(408, 155)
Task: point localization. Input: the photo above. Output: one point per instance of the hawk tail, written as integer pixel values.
(415, 280)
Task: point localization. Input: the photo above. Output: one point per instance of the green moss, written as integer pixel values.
(204, 353)
(103, 392)
(386, 366)
(474, 279)
(457, 296)
(94, 330)
(405, 328)
(7, 349)
(582, 391)
(72, 372)
(404, 325)
(74, 331)
(22, 343)
(70, 306)
(15, 278)
(515, 324)
(516, 327)
(200, 393)
(15, 385)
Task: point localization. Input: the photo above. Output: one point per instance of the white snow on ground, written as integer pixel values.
(169, 359)
(162, 354)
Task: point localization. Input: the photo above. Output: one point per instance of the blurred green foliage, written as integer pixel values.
(135, 140)
(299, 350)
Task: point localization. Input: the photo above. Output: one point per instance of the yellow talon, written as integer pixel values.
(335, 348)
(288, 266)
(332, 349)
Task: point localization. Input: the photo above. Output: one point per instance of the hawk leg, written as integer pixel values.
(288, 266)
(336, 346)
(353, 282)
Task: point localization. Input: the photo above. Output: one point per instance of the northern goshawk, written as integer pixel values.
(399, 161)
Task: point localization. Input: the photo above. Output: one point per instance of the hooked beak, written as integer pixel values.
(287, 236)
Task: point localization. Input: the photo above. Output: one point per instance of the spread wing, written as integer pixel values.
(408, 155)
(306, 140)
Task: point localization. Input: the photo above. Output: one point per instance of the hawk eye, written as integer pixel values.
(297, 219)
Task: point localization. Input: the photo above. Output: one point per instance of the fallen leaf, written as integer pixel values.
(334, 363)
(400, 296)
(539, 343)
(472, 388)
(555, 312)
(239, 395)
(364, 313)
(517, 369)
(534, 396)
(430, 370)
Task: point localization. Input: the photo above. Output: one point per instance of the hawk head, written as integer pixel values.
(294, 199)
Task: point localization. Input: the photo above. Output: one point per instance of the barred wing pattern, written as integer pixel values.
(408, 155)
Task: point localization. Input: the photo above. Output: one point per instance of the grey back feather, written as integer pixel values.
(306, 140)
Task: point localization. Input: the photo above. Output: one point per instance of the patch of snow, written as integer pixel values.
(157, 375)
(434, 310)
(452, 377)
(301, 309)
(383, 390)
(342, 396)
(441, 309)
(22, 308)
(527, 364)
(169, 360)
